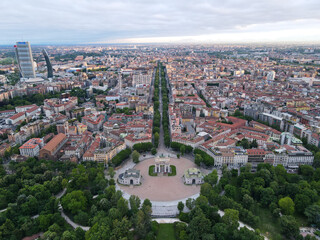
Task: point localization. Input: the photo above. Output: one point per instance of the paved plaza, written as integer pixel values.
(163, 188)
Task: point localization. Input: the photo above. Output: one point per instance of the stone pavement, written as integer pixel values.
(163, 188)
(166, 220)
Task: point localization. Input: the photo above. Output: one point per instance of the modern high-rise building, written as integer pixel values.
(25, 59)
(49, 66)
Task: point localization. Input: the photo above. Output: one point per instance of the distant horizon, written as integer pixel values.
(280, 43)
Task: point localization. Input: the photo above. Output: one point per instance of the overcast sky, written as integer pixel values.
(140, 21)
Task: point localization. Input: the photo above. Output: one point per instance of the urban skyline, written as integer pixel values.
(163, 120)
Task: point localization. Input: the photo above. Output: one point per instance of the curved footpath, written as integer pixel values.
(68, 220)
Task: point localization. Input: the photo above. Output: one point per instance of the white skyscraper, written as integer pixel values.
(271, 75)
(25, 59)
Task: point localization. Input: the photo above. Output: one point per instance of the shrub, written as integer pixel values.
(151, 171)
(173, 171)
(121, 156)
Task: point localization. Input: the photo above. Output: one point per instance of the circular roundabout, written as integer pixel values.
(162, 187)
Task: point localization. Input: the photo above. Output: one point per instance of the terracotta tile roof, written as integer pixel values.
(256, 151)
(32, 109)
(50, 146)
(17, 115)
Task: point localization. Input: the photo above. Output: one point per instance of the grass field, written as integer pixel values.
(166, 232)
(151, 171)
(270, 226)
(173, 171)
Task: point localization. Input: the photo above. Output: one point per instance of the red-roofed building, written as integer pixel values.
(93, 122)
(17, 118)
(32, 147)
(256, 156)
(52, 149)
(24, 108)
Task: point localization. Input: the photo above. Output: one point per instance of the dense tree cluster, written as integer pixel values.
(204, 222)
(177, 147)
(203, 157)
(135, 156)
(29, 191)
(143, 147)
(156, 114)
(165, 103)
(121, 156)
(32, 207)
(26, 100)
(269, 197)
(38, 98)
(126, 111)
(246, 144)
(111, 217)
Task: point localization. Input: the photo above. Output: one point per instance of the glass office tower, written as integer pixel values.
(49, 66)
(25, 60)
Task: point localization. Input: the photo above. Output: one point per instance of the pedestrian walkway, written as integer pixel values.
(166, 220)
(241, 224)
(72, 223)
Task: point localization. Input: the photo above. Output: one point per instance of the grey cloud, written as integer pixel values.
(89, 21)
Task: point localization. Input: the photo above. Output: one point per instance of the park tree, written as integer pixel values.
(120, 229)
(302, 201)
(82, 218)
(80, 178)
(156, 129)
(306, 171)
(182, 150)
(167, 140)
(247, 201)
(121, 156)
(248, 167)
(198, 159)
(190, 203)
(143, 147)
(231, 218)
(316, 161)
(313, 214)
(205, 190)
(80, 233)
(99, 231)
(134, 203)
(289, 226)
(211, 178)
(67, 235)
(143, 220)
(254, 144)
(146, 203)
(287, 205)
(198, 226)
(111, 172)
(156, 139)
(153, 151)
(221, 231)
(74, 201)
(180, 206)
(230, 191)
(135, 156)
(267, 196)
(122, 206)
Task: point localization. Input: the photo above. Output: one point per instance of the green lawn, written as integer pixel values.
(269, 225)
(151, 171)
(173, 171)
(166, 232)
